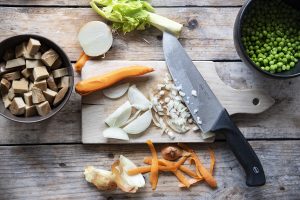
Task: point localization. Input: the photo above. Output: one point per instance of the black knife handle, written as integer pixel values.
(242, 150)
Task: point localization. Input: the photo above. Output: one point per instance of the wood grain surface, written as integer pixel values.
(56, 172)
(153, 2)
(207, 32)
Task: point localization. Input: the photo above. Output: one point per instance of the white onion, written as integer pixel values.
(137, 99)
(120, 116)
(116, 91)
(140, 124)
(115, 133)
(135, 180)
(95, 38)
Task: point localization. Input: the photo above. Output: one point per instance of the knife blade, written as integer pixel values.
(206, 109)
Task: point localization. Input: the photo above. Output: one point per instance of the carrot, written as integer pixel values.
(90, 85)
(182, 178)
(81, 62)
(192, 181)
(189, 172)
(146, 169)
(199, 166)
(154, 165)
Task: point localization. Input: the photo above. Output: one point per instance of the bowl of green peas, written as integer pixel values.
(267, 36)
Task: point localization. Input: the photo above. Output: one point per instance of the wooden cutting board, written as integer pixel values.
(96, 107)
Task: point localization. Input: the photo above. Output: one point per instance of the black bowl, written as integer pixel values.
(237, 35)
(16, 40)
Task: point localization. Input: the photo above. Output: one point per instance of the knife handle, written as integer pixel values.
(242, 150)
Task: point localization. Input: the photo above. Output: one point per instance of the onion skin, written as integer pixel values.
(171, 152)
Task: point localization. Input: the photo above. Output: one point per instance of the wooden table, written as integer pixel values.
(46, 160)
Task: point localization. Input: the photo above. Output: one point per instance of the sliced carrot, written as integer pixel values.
(199, 166)
(81, 62)
(100, 82)
(154, 165)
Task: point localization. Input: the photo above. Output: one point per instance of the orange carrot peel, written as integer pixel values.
(154, 166)
(100, 82)
(81, 62)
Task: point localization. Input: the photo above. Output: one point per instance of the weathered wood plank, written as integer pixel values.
(207, 33)
(280, 121)
(154, 3)
(55, 172)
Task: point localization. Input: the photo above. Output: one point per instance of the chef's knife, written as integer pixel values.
(207, 111)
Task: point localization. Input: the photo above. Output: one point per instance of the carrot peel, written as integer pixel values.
(154, 166)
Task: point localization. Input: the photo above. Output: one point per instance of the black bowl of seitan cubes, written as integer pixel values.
(36, 78)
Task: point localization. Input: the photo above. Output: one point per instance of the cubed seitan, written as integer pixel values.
(5, 85)
(40, 73)
(36, 56)
(33, 46)
(50, 95)
(18, 62)
(30, 64)
(20, 86)
(17, 106)
(58, 73)
(49, 57)
(30, 111)
(6, 101)
(43, 108)
(28, 98)
(20, 50)
(51, 83)
(11, 94)
(60, 96)
(41, 84)
(9, 54)
(12, 75)
(26, 72)
(37, 95)
(64, 82)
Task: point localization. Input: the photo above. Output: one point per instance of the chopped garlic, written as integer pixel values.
(195, 128)
(161, 93)
(194, 93)
(160, 86)
(181, 93)
(190, 120)
(195, 111)
(167, 100)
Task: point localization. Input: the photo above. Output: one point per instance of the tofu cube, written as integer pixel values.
(12, 76)
(30, 64)
(33, 46)
(17, 106)
(57, 64)
(11, 94)
(49, 57)
(43, 108)
(20, 87)
(36, 56)
(60, 96)
(51, 83)
(20, 50)
(28, 98)
(9, 54)
(18, 62)
(5, 85)
(40, 73)
(37, 95)
(26, 72)
(64, 82)
(60, 72)
(30, 111)
(6, 101)
(50, 95)
(41, 84)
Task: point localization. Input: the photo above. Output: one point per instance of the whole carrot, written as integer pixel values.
(90, 85)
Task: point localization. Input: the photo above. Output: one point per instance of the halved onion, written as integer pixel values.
(140, 124)
(116, 91)
(95, 38)
(120, 116)
(137, 99)
(115, 133)
(135, 180)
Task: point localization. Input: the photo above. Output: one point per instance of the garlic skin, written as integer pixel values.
(102, 179)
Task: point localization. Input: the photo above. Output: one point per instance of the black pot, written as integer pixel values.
(13, 42)
(295, 71)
